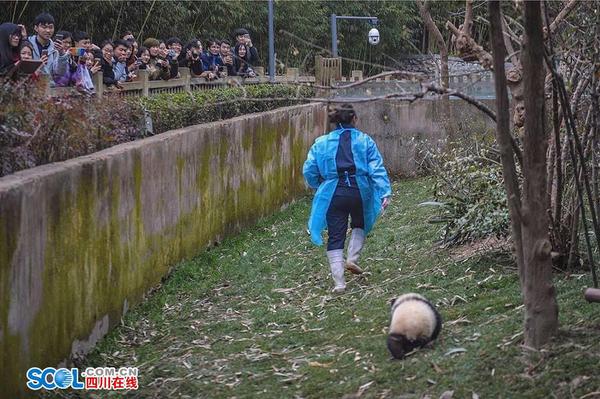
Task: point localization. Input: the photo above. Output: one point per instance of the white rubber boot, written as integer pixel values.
(336, 263)
(357, 240)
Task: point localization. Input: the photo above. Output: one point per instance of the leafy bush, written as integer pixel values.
(470, 196)
(174, 111)
(36, 129)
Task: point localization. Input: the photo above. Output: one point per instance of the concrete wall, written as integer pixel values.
(83, 240)
(403, 131)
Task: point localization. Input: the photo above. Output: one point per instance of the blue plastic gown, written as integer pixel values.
(320, 172)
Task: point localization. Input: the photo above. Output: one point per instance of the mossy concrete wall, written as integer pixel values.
(82, 240)
(404, 131)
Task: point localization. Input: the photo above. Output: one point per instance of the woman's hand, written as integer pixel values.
(95, 68)
(385, 203)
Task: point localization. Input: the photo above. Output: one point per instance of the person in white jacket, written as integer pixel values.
(58, 57)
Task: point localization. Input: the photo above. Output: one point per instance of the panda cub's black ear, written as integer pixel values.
(393, 301)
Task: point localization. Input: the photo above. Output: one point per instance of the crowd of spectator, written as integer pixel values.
(72, 58)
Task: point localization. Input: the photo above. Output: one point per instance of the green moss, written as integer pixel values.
(11, 363)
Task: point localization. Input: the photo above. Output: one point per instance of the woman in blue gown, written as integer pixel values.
(346, 169)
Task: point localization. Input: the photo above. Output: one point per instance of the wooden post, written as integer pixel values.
(185, 75)
(143, 76)
(319, 70)
(292, 74)
(357, 74)
(98, 83)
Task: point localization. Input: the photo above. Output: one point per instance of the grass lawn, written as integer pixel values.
(254, 317)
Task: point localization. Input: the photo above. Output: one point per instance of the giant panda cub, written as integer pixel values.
(415, 323)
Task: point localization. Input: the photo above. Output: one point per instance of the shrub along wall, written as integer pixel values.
(36, 129)
(174, 111)
(82, 240)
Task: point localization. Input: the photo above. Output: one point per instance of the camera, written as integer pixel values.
(171, 54)
(374, 37)
(195, 54)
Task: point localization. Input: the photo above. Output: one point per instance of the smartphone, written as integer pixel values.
(59, 36)
(77, 51)
(44, 53)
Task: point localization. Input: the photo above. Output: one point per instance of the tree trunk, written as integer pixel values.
(435, 32)
(511, 182)
(541, 308)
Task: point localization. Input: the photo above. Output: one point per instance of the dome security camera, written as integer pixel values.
(374, 37)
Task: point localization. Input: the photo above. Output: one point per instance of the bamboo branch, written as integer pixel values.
(562, 14)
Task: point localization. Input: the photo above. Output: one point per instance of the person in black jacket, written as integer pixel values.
(242, 36)
(241, 64)
(227, 57)
(108, 74)
(191, 57)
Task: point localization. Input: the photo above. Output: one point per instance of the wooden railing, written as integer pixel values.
(142, 86)
(327, 71)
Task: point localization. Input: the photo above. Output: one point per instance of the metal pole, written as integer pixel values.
(334, 52)
(271, 44)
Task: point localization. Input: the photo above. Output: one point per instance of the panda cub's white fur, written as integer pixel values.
(415, 322)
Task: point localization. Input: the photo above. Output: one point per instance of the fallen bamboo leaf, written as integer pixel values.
(282, 290)
(317, 364)
(461, 320)
(454, 351)
(363, 388)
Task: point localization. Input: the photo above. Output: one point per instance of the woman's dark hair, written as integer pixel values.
(141, 51)
(236, 52)
(343, 114)
(25, 43)
(66, 34)
(8, 54)
(173, 40)
(80, 35)
(105, 42)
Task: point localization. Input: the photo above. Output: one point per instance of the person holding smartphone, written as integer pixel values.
(42, 40)
(143, 57)
(242, 37)
(158, 67)
(227, 57)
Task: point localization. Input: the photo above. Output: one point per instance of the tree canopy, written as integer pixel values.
(302, 29)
